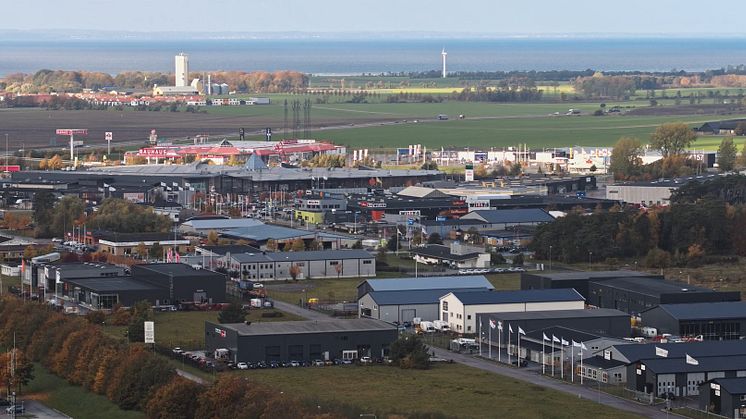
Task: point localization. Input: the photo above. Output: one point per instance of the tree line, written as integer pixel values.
(702, 225)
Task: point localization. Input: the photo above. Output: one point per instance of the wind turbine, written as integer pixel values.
(444, 54)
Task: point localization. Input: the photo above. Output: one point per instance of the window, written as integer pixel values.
(367, 262)
(468, 328)
(468, 317)
(445, 305)
(333, 263)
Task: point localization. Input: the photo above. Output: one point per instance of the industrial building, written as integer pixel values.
(712, 321)
(456, 256)
(405, 305)
(460, 309)
(302, 340)
(634, 353)
(628, 291)
(275, 266)
(602, 321)
(724, 397)
(127, 244)
(424, 283)
(502, 219)
(650, 193)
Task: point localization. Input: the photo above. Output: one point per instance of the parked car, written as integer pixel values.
(177, 350)
(274, 364)
(346, 362)
(242, 366)
(366, 360)
(317, 363)
(294, 364)
(17, 409)
(328, 363)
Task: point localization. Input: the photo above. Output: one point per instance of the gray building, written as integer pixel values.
(424, 283)
(604, 322)
(577, 279)
(271, 266)
(302, 340)
(724, 396)
(713, 321)
(183, 282)
(656, 192)
(504, 218)
(105, 293)
(58, 272)
(635, 295)
(403, 306)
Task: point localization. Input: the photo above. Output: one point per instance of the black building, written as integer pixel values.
(629, 291)
(184, 283)
(635, 295)
(604, 322)
(105, 293)
(302, 340)
(713, 321)
(724, 396)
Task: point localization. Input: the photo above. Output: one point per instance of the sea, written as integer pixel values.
(358, 56)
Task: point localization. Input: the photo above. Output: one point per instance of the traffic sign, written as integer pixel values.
(440, 218)
(410, 221)
(109, 136)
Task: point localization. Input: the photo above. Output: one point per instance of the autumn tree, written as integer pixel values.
(298, 245)
(175, 400)
(212, 237)
(294, 271)
(55, 163)
(625, 158)
(141, 250)
(727, 155)
(672, 138)
(410, 352)
(141, 312)
(24, 370)
(271, 245)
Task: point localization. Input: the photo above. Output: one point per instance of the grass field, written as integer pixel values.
(187, 328)
(72, 400)
(452, 390)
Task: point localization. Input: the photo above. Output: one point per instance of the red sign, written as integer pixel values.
(11, 168)
(68, 131)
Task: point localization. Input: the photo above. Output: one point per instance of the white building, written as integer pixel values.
(460, 309)
(182, 70)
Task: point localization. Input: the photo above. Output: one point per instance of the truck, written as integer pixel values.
(426, 327)
(441, 325)
(256, 303)
(649, 332)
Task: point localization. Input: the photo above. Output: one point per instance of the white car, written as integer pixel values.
(242, 366)
(366, 360)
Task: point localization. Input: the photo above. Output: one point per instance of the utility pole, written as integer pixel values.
(6, 151)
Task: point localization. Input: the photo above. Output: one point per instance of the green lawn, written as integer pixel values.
(187, 328)
(73, 400)
(9, 281)
(453, 390)
(510, 281)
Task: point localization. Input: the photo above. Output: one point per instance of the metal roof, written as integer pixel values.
(652, 286)
(307, 326)
(559, 314)
(518, 296)
(266, 232)
(521, 215)
(428, 283)
(178, 270)
(440, 251)
(602, 363)
(111, 284)
(705, 311)
(412, 297)
(636, 352)
(706, 364)
(222, 224)
(301, 256)
(733, 385)
(562, 333)
(593, 275)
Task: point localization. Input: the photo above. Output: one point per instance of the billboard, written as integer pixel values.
(149, 332)
(72, 131)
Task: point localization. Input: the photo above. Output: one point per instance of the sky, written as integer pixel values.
(449, 17)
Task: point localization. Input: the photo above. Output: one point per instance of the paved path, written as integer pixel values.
(528, 375)
(300, 311)
(191, 377)
(40, 411)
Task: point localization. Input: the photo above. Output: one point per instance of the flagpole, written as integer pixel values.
(562, 359)
(581, 363)
(572, 360)
(552, 355)
(480, 337)
(543, 364)
(518, 354)
(499, 342)
(489, 340)
(509, 333)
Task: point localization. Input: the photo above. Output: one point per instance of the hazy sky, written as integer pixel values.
(448, 16)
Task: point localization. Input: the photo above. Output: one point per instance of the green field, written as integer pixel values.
(73, 400)
(187, 328)
(453, 390)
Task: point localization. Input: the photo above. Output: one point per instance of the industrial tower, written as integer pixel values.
(444, 54)
(182, 70)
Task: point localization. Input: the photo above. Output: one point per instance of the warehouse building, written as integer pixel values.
(579, 280)
(127, 244)
(682, 376)
(105, 293)
(275, 266)
(633, 353)
(302, 340)
(183, 282)
(602, 321)
(712, 321)
(460, 309)
(502, 219)
(424, 283)
(457, 256)
(724, 396)
(635, 295)
(403, 306)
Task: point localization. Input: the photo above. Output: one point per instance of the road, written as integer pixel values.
(529, 375)
(191, 377)
(40, 411)
(299, 311)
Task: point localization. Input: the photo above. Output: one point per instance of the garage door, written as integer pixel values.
(408, 314)
(693, 380)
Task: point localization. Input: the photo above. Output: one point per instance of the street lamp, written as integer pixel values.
(550, 257)
(590, 255)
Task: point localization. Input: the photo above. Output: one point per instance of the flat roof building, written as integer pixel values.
(405, 305)
(712, 321)
(601, 321)
(302, 340)
(724, 397)
(274, 266)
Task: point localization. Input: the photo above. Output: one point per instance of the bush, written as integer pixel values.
(409, 352)
(658, 258)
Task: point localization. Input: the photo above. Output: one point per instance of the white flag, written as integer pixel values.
(500, 326)
(582, 346)
(575, 344)
(510, 328)
(545, 336)
(554, 339)
(565, 343)
(661, 352)
(521, 331)
(492, 324)
(691, 361)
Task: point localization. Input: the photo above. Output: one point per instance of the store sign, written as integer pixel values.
(149, 332)
(220, 332)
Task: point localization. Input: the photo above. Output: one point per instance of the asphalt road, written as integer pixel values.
(191, 377)
(299, 311)
(38, 410)
(530, 375)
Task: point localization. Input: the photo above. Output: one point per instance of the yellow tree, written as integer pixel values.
(298, 245)
(55, 163)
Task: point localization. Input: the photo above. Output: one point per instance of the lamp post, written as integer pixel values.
(550, 258)
(590, 255)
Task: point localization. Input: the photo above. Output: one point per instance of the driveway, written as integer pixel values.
(531, 376)
(38, 410)
(300, 311)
